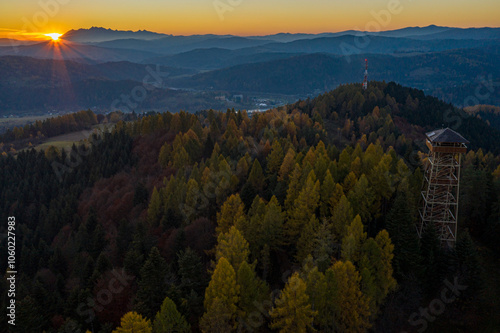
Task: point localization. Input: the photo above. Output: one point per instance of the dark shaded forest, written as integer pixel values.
(297, 219)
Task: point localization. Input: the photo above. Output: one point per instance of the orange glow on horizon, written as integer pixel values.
(31, 20)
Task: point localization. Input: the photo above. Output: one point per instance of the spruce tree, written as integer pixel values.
(152, 285)
(468, 264)
(401, 228)
(169, 320)
(191, 271)
(432, 259)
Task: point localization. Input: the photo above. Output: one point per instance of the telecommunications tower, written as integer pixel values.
(442, 184)
(365, 81)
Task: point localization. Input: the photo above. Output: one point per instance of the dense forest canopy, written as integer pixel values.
(300, 218)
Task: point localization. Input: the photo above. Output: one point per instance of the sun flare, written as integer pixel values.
(54, 36)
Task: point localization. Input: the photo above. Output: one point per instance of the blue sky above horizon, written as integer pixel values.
(30, 18)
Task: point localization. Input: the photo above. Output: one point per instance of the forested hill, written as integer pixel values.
(413, 112)
(294, 219)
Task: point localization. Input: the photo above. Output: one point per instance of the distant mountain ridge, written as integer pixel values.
(97, 34)
(75, 52)
(31, 72)
(34, 85)
(15, 42)
(349, 44)
(178, 44)
(101, 45)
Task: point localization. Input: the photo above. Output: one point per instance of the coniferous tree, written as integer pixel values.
(191, 271)
(293, 188)
(432, 259)
(181, 158)
(315, 289)
(221, 298)
(292, 312)
(152, 286)
(192, 205)
(275, 158)
(29, 318)
(307, 242)
(326, 193)
(132, 322)
(265, 230)
(169, 320)
(468, 264)
(385, 279)
(253, 291)
(102, 265)
(401, 228)
(361, 198)
(155, 208)
(304, 207)
(287, 166)
(353, 241)
(341, 217)
(256, 177)
(233, 247)
(271, 226)
(232, 210)
(218, 318)
(348, 305)
(349, 182)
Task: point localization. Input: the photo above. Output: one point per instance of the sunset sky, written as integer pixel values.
(31, 18)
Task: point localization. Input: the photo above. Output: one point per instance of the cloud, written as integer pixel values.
(21, 34)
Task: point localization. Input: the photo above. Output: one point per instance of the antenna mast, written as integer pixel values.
(365, 81)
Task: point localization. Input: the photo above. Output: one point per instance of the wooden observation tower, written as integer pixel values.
(442, 184)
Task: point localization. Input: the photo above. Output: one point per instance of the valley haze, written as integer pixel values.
(93, 68)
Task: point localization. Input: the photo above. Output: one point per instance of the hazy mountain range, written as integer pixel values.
(446, 62)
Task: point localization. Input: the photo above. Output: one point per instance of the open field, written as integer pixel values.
(65, 141)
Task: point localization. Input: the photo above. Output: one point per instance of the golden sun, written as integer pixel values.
(54, 36)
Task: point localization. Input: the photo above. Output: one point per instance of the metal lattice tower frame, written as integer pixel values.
(441, 188)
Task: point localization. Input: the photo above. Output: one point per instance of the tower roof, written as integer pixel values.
(445, 135)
